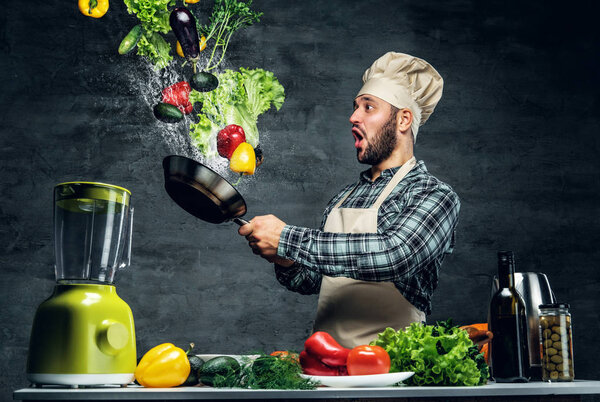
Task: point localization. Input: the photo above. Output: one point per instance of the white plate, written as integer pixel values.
(374, 380)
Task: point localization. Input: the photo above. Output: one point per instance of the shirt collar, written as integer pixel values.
(387, 174)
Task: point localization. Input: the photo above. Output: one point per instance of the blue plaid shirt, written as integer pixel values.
(415, 230)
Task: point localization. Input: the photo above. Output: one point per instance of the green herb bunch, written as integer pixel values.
(228, 16)
(266, 372)
(440, 354)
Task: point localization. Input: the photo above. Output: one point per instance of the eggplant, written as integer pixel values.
(183, 24)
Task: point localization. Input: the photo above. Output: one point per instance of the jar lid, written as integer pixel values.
(554, 305)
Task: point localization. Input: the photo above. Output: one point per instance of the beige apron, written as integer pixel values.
(354, 311)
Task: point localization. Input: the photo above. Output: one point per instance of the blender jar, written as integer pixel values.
(92, 231)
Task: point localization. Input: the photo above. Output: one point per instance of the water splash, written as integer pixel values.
(148, 83)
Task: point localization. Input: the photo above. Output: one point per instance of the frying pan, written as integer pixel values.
(202, 192)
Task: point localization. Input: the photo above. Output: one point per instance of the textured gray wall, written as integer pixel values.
(516, 135)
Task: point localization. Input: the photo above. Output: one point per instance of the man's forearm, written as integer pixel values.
(298, 279)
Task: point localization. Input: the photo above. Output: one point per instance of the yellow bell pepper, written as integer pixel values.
(202, 46)
(243, 159)
(93, 8)
(191, 1)
(163, 366)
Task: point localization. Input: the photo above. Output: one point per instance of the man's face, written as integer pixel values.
(374, 129)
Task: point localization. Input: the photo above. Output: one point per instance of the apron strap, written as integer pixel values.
(403, 171)
(346, 196)
(400, 174)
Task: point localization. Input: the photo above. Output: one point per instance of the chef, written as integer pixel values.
(375, 260)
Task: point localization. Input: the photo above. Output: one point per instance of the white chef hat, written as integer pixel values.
(404, 81)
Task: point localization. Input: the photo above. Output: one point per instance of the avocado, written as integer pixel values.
(195, 364)
(204, 82)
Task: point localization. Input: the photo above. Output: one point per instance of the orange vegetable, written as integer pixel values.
(479, 334)
(284, 354)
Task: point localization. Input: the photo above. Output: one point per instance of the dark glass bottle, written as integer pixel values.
(508, 323)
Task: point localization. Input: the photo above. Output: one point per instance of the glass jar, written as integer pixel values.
(556, 342)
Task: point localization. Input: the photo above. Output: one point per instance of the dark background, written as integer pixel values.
(516, 135)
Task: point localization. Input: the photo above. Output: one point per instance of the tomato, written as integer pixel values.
(366, 359)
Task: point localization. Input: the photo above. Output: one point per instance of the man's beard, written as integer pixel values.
(382, 145)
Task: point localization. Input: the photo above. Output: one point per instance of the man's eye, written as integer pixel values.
(368, 107)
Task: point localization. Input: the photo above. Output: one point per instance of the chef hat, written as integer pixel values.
(404, 81)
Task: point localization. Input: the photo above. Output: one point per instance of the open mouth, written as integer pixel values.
(358, 137)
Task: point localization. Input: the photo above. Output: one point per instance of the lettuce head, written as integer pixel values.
(439, 354)
(239, 99)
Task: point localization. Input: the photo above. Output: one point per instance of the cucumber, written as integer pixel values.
(167, 113)
(224, 366)
(204, 82)
(130, 40)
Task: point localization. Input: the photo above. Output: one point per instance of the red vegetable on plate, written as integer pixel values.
(366, 360)
(178, 95)
(313, 366)
(229, 139)
(322, 346)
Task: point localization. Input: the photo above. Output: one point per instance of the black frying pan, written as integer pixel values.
(202, 192)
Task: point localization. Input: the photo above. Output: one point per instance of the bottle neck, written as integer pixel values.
(506, 270)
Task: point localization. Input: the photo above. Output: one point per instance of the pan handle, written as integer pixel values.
(240, 221)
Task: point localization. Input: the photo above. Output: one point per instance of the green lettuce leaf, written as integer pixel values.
(202, 134)
(153, 14)
(155, 48)
(438, 354)
(241, 97)
(154, 18)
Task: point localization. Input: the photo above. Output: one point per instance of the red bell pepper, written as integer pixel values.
(313, 366)
(326, 349)
(178, 95)
(229, 139)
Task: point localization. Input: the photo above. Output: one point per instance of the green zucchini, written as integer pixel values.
(204, 82)
(130, 40)
(167, 113)
(224, 367)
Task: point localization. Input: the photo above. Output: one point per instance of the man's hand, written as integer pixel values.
(263, 234)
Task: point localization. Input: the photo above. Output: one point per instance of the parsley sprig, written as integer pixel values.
(228, 16)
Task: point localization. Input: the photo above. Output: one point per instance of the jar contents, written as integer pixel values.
(557, 342)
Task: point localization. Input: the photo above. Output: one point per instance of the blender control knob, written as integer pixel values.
(112, 337)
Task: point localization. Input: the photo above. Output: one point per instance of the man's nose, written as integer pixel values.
(355, 117)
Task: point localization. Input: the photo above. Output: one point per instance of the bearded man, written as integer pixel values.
(375, 259)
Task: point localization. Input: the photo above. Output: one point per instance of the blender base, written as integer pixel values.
(81, 379)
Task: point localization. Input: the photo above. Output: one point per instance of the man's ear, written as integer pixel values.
(404, 119)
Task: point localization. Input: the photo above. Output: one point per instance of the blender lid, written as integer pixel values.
(92, 191)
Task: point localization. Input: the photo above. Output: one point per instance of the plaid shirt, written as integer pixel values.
(415, 230)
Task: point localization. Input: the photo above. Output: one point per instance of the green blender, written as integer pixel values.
(84, 334)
